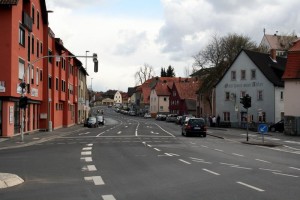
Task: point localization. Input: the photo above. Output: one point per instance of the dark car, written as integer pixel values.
(171, 118)
(194, 126)
(279, 126)
(161, 117)
(92, 122)
(85, 124)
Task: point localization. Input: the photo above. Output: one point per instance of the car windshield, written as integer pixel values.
(92, 119)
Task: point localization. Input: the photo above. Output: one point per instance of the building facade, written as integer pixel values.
(27, 50)
(259, 76)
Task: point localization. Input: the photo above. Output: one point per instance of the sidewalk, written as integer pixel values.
(9, 180)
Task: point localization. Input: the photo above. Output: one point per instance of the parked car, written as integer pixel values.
(279, 126)
(185, 118)
(100, 120)
(171, 118)
(194, 126)
(161, 117)
(92, 122)
(147, 115)
(178, 120)
(132, 113)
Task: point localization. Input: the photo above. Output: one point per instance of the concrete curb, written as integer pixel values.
(9, 180)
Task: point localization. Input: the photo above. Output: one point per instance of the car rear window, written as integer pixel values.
(196, 121)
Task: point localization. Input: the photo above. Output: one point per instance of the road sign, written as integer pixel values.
(262, 128)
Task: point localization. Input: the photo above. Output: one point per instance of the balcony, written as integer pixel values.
(27, 21)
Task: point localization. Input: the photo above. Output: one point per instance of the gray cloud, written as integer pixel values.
(198, 20)
(131, 41)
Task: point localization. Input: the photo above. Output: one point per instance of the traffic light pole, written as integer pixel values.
(247, 126)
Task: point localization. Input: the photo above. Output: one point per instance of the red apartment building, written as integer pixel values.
(26, 47)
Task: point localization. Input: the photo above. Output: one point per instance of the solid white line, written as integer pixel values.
(285, 174)
(250, 186)
(100, 134)
(157, 149)
(238, 154)
(108, 197)
(136, 134)
(186, 162)
(294, 168)
(164, 130)
(86, 153)
(262, 160)
(271, 170)
(214, 173)
(292, 148)
(86, 148)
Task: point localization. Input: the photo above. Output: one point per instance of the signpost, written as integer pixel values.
(262, 129)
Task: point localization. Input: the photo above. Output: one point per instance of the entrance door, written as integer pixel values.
(17, 118)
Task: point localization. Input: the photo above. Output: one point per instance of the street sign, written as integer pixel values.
(262, 128)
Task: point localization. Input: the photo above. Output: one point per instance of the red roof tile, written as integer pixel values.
(292, 70)
(187, 90)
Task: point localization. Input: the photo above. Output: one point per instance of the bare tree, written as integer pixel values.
(145, 72)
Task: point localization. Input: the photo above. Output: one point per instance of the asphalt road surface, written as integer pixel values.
(134, 158)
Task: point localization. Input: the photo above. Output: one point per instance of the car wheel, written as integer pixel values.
(204, 135)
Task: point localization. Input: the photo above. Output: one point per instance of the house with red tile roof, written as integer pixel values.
(183, 97)
(291, 79)
(280, 43)
(159, 98)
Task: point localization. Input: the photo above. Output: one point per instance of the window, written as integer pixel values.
(21, 68)
(32, 44)
(63, 86)
(21, 36)
(32, 75)
(37, 76)
(227, 96)
(50, 54)
(32, 14)
(233, 75)
(37, 48)
(50, 82)
(161, 108)
(226, 116)
(37, 19)
(243, 74)
(56, 83)
(253, 74)
(281, 95)
(165, 98)
(41, 75)
(259, 95)
(41, 46)
(262, 117)
(243, 93)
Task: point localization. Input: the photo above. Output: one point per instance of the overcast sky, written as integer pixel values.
(126, 34)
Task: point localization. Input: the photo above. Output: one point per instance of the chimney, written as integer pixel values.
(273, 54)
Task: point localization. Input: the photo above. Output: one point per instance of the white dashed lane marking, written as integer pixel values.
(108, 197)
(87, 159)
(96, 179)
(209, 171)
(86, 153)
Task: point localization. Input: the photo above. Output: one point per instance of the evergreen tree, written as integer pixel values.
(163, 72)
(170, 71)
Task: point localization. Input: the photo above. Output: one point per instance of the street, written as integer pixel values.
(136, 158)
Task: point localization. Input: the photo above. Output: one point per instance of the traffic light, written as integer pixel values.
(23, 102)
(95, 60)
(246, 101)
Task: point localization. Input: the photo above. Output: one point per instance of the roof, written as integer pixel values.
(9, 2)
(279, 42)
(162, 89)
(187, 90)
(273, 70)
(292, 70)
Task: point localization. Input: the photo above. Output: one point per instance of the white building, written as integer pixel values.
(258, 75)
(118, 98)
(159, 99)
